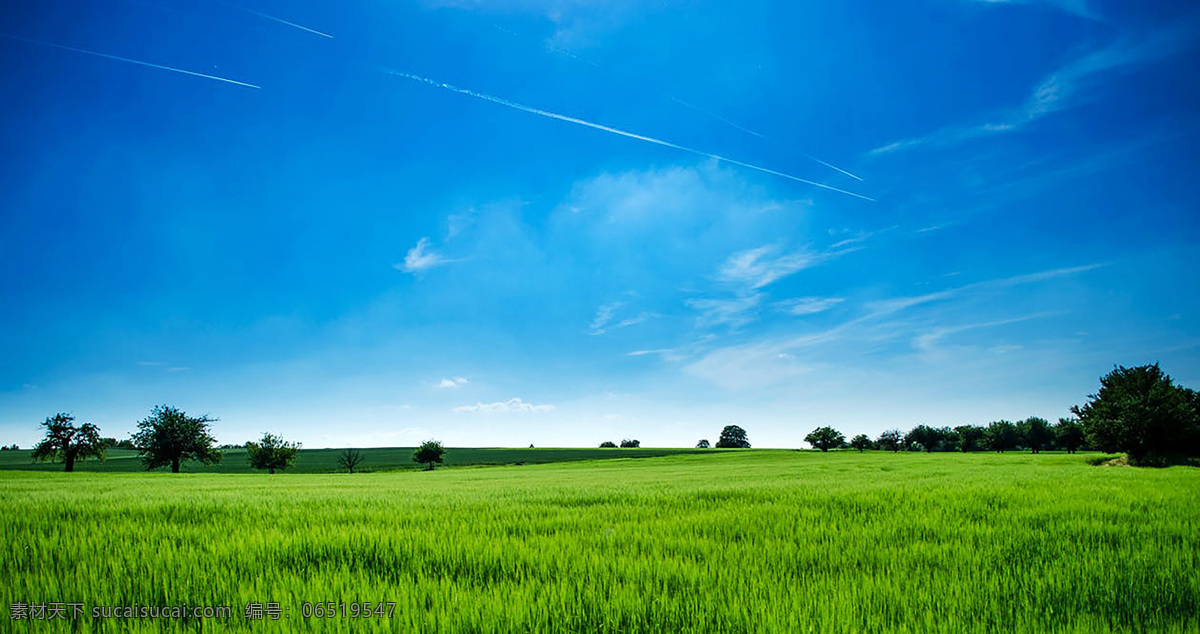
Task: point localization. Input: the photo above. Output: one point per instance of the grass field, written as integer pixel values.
(762, 541)
(325, 460)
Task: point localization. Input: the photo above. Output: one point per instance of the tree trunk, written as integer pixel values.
(69, 461)
(175, 465)
(271, 471)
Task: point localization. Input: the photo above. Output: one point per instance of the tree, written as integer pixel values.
(861, 442)
(1141, 412)
(1000, 436)
(733, 437)
(350, 459)
(1035, 433)
(630, 444)
(67, 443)
(429, 452)
(891, 440)
(825, 438)
(272, 452)
(703, 444)
(170, 437)
(924, 436)
(1069, 434)
(608, 444)
(970, 437)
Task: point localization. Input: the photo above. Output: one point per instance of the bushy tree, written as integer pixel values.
(272, 452)
(1035, 433)
(349, 459)
(970, 437)
(170, 437)
(861, 442)
(1000, 436)
(703, 444)
(891, 440)
(1069, 434)
(429, 452)
(825, 438)
(931, 438)
(67, 443)
(733, 437)
(630, 443)
(608, 444)
(1141, 412)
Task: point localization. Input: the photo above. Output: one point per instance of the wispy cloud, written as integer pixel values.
(1061, 89)
(1080, 8)
(927, 342)
(421, 258)
(889, 306)
(457, 381)
(760, 266)
(735, 312)
(181, 368)
(511, 406)
(808, 305)
(606, 319)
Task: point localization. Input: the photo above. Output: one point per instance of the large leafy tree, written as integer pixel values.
(1069, 434)
(1001, 436)
(928, 438)
(733, 437)
(272, 452)
(1141, 412)
(170, 437)
(890, 440)
(429, 452)
(969, 437)
(861, 442)
(1035, 433)
(67, 443)
(825, 438)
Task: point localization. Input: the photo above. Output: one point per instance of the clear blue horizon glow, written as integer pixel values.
(348, 257)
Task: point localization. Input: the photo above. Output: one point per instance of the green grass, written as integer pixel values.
(762, 541)
(325, 460)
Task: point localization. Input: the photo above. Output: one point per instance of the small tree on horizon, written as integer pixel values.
(272, 452)
(350, 459)
(733, 437)
(67, 443)
(891, 440)
(861, 442)
(429, 452)
(703, 444)
(631, 443)
(825, 438)
(608, 444)
(170, 437)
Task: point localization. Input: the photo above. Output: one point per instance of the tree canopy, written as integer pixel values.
(170, 437)
(733, 437)
(631, 443)
(608, 444)
(272, 452)
(1035, 433)
(825, 438)
(350, 459)
(429, 452)
(67, 443)
(891, 440)
(703, 444)
(861, 442)
(1141, 412)
(1001, 436)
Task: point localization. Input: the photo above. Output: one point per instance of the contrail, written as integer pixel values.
(749, 131)
(597, 126)
(271, 17)
(131, 61)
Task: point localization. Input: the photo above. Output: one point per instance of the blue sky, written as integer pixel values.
(349, 256)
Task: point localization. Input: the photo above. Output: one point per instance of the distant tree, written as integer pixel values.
(108, 443)
(703, 444)
(67, 443)
(970, 437)
(1069, 434)
(272, 452)
(531, 445)
(926, 437)
(1141, 412)
(891, 440)
(1035, 433)
(1001, 435)
(861, 442)
(124, 443)
(824, 438)
(733, 437)
(429, 452)
(349, 459)
(170, 437)
(608, 444)
(630, 443)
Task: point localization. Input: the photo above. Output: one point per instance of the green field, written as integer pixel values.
(325, 460)
(761, 541)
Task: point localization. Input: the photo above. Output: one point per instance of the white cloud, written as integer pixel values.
(421, 258)
(757, 268)
(808, 305)
(735, 312)
(1061, 89)
(606, 319)
(454, 382)
(181, 368)
(512, 405)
